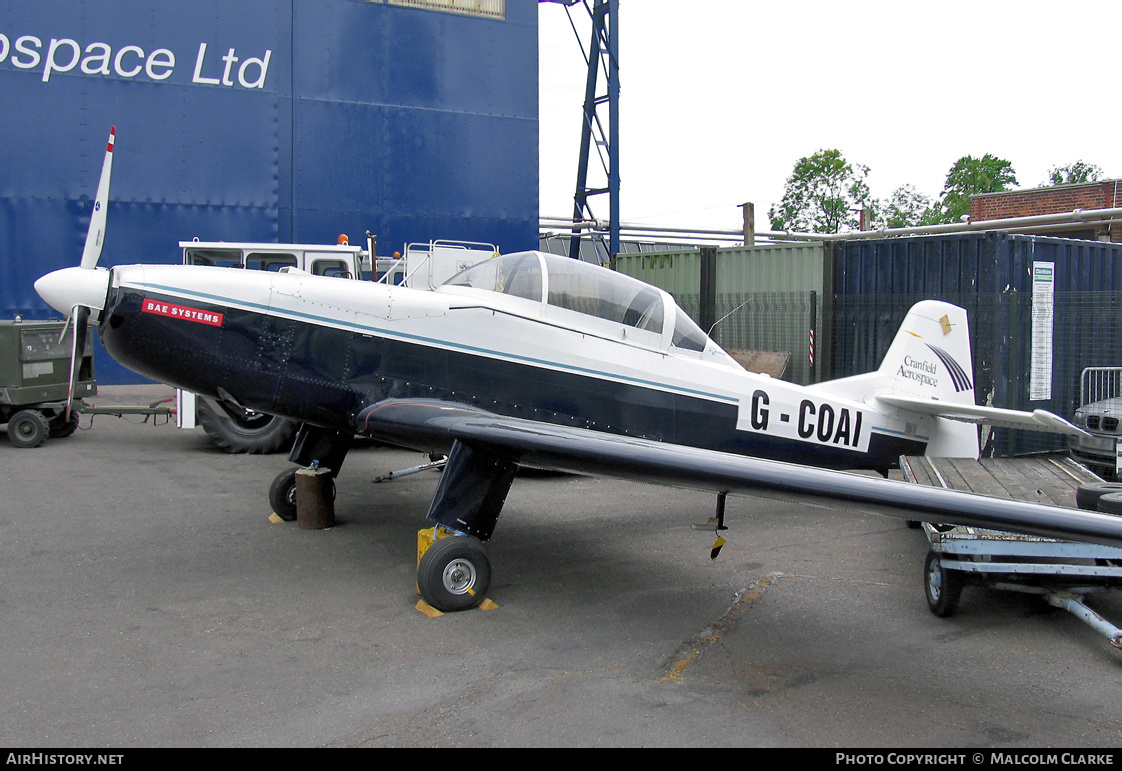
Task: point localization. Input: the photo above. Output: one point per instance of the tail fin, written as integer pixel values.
(929, 364)
(928, 371)
(930, 356)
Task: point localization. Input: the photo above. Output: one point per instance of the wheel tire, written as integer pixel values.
(28, 428)
(259, 434)
(282, 494)
(942, 587)
(1087, 495)
(454, 573)
(60, 427)
(1110, 503)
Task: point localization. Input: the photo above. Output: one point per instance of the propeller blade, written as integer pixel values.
(81, 316)
(95, 236)
(65, 326)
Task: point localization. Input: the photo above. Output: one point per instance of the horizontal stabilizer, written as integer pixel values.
(1037, 420)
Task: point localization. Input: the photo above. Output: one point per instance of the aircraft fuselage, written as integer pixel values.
(321, 350)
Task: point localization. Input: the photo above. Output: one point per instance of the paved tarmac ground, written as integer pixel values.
(147, 601)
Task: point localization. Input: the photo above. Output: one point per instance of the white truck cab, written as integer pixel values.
(423, 266)
(341, 260)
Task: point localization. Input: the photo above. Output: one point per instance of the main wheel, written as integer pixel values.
(282, 494)
(28, 428)
(454, 573)
(256, 433)
(943, 587)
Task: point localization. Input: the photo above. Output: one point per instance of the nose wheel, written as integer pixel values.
(282, 494)
(454, 573)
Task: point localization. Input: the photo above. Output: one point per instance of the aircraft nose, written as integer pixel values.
(63, 289)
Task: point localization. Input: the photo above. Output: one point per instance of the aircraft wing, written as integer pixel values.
(535, 443)
(1037, 420)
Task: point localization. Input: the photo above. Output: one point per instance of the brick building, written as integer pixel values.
(1056, 199)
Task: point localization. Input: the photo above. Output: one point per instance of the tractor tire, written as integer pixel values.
(258, 434)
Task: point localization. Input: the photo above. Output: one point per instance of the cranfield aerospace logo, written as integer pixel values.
(927, 372)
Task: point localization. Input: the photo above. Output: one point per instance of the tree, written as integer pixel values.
(973, 176)
(1074, 173)
(906, 208)
(824, 193)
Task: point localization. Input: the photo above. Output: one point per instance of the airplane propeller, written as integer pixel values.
(95, 236)
(78, 292)
(81, 318)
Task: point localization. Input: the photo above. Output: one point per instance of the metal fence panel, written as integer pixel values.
(1099, 383)
(768, 321)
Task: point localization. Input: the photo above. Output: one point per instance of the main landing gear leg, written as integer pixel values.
(453, 573)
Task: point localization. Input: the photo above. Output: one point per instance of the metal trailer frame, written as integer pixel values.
(1062, 572)
(79, 407)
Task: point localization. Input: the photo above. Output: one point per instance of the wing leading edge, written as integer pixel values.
(434, 424)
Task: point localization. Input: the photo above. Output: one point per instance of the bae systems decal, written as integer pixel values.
(182, 312)
(97, 59)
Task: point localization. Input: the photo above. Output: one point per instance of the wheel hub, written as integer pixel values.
(459, 576)
(935, 581)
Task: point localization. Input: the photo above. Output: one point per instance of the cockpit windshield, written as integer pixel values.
(588, 289)
(519, 275)
(687, 334)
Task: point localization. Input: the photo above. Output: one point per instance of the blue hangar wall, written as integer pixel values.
(258, 120)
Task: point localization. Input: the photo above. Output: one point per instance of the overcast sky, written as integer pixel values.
(720, 98)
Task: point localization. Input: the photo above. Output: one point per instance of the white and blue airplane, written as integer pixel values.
(533, 359)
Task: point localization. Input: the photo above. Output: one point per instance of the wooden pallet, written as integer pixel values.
(1050, 478)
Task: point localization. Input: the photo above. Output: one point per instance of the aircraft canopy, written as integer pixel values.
(585, 288)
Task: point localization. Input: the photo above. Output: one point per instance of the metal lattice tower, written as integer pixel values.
(602, 54)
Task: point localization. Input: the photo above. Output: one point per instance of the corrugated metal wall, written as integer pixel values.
(865, 287)
(991, 275)
(296, 122)
(762, 297)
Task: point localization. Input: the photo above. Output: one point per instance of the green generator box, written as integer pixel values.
(35, 375)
